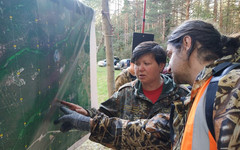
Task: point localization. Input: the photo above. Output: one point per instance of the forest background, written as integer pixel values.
(162, 16)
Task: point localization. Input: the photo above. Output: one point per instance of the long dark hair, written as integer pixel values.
(213, 44)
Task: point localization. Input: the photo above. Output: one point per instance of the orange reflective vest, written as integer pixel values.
(196, 134)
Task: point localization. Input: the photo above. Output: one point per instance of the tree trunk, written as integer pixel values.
(207, 3)
(181, 12)
(136, 16)
(164, 27)
(126, 31)
(215, 10)
(107, 30)
(221, 16)
(187, 9)
(116, 31)
(174, 13)
(227, 16)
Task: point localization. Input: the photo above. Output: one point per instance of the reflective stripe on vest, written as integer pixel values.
(196, 133)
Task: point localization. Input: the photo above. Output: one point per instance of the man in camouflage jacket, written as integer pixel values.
(197, 53)
(226, 107)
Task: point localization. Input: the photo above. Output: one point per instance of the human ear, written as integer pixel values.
(187, 42)
(161, 66)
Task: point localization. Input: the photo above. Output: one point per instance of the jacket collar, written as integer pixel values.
(206, 73)
(168, 86)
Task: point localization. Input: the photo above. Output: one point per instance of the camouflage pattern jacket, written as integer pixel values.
(124, 77)
(226, 108)
(129, 103)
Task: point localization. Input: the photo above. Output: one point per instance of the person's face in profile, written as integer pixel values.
(177, 64)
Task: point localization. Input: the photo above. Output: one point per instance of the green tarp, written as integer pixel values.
(44, 55)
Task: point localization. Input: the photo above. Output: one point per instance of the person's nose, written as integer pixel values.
(169, 69)
(141, 67)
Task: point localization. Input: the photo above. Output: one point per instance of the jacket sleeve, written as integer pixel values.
(124, 134)
(226, 111)
(92, 112)
(110, 107)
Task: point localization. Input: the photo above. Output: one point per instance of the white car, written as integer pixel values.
(102, 63)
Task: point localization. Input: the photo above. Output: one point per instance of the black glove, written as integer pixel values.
(72, 119)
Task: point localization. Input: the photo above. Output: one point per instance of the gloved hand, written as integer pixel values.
(72, 119)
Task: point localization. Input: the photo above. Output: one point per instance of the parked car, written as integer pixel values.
(117, 66)
(103, 63)
(123, 64)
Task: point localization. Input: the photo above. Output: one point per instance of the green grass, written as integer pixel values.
(102, 83)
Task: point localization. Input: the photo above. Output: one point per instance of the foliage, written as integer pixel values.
(161, 17)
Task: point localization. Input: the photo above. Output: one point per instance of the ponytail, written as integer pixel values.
(230, 45)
